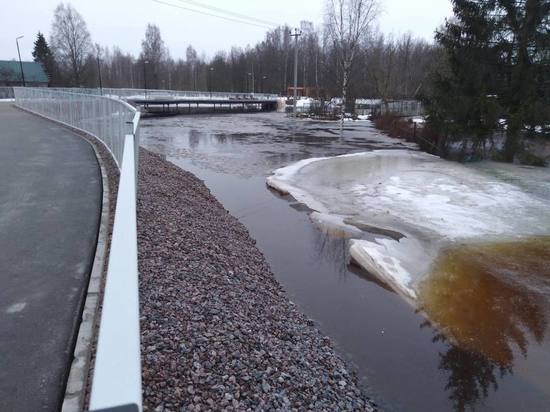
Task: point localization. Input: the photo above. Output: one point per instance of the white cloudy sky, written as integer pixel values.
(123, 22)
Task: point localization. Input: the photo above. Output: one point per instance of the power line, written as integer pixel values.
(263, 26)
(230, 13)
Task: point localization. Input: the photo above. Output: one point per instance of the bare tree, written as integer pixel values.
(191, 59)
(347, 24)
(154, 51)
(70, 40)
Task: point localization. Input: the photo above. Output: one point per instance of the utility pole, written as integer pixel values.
(297, 33)
(20, 63)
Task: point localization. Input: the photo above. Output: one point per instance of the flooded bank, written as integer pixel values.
(404, 361)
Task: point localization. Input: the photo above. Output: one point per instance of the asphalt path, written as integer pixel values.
(50, 206)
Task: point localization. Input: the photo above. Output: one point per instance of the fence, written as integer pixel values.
(379, 107)
(117, 372)
(6, 92)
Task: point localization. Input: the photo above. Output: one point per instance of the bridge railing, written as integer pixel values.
(123, 93)
(117, 369)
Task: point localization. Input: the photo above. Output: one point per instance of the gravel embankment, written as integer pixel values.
(218, 331)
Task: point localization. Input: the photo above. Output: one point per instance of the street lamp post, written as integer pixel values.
(20, 63)
(145, 77)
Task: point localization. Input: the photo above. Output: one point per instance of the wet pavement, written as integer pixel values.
(50, 204)
(404, 362)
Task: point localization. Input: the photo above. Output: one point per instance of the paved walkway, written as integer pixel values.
(50, 201)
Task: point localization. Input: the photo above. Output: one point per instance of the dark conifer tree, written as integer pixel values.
(42, 54)
(497, 66)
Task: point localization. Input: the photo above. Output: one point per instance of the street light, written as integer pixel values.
(145, 77)
(19, 54)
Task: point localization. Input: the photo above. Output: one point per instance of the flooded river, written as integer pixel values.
(491, 349)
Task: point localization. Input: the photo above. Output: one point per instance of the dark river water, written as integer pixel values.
(403, 362)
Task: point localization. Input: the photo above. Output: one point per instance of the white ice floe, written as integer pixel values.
(428, 201)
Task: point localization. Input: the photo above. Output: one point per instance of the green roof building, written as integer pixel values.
(10, 74)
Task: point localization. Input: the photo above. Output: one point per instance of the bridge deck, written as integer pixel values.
(170, 101)
(50, 201)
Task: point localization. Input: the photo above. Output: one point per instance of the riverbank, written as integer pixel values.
(217, 328)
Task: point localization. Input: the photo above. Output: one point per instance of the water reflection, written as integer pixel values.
(491, 299)
(486, 304)
(194, 138)
(332, 247)
(470, 376)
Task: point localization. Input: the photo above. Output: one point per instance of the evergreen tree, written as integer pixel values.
(496, 55)
(522, 39)
(43, 55)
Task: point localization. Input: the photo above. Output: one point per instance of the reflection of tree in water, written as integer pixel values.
(487, 298)
(194, 138)
(488, 301)
(470, 375)
(332, 246)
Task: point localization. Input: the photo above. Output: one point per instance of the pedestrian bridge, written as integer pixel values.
(164, 102)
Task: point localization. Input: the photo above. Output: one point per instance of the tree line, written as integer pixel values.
(370, 64)
(488, 69)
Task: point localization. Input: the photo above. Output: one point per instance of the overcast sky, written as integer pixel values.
(123, 22)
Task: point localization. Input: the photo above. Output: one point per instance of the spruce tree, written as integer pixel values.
(496, 66)
(42, 54)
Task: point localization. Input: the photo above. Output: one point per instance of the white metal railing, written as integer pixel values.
(6, 92)
(117, 370)
(124, 93)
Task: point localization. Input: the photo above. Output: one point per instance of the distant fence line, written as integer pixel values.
(380, 107)
(117, 369)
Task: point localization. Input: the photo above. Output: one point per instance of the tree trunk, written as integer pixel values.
(345, 76)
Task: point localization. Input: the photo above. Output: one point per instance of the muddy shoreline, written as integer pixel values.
(217, 328)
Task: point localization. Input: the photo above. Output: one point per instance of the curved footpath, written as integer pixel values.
(217, 330)
(50, 206)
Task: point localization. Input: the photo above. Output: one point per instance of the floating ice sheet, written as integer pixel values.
(431, 202)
